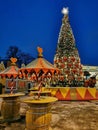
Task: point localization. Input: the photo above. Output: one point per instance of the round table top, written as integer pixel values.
(11, 95)
(41, 100)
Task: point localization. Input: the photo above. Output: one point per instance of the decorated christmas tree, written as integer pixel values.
(67, 57)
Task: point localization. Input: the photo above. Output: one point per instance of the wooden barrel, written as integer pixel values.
(10, 108)
(38, 117)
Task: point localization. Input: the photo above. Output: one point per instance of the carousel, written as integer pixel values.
(39, 71)
(10, 100)
(10, 74)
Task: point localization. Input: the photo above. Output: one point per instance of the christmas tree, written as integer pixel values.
(67, 57)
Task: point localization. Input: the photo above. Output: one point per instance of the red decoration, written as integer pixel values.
(77, 65)
(55, 61)
(67, 71)
(59, 60)
(81, 72)
(71, 77)
(61, 77)
(80, 66)
(73, 59)
(74, 70)
(65, 58)
(69, 64)
(62, 65)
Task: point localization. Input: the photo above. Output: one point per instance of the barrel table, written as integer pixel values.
(10, 107)
(39, 115)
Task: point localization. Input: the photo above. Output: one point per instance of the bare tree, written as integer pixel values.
(22, 57)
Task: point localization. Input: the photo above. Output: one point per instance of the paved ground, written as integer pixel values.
(75, 116)
(66, 115)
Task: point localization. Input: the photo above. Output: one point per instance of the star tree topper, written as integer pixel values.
(65, 11)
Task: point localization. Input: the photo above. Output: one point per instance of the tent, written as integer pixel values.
(11, 71)
(38, 67)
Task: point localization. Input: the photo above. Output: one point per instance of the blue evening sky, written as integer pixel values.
(31, 23)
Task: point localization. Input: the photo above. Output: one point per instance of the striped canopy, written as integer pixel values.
(40, 64)
(10, 71)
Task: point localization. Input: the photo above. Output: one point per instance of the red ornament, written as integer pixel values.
(62, 65)
(61, 77)
(74, 70)
(59, 60)
(73, 59)
(77, 65)
(67, 71)
(80, 66)
(81, 72)
(65, 58)
(69, 64)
